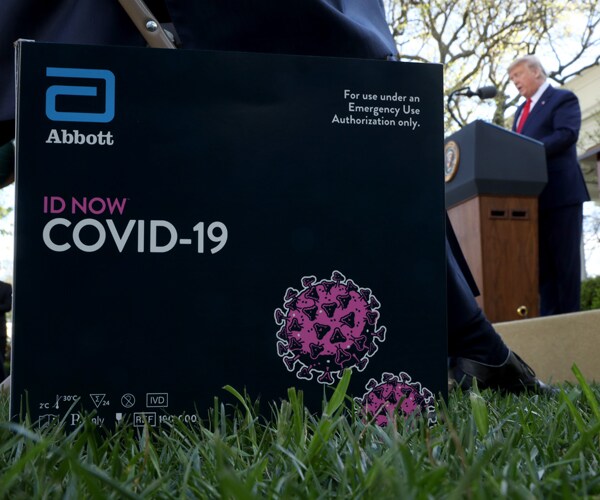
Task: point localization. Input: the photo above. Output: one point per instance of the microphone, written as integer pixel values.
(483, 93)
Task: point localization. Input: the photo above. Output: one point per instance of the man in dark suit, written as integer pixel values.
(353, 28)
(552, 116)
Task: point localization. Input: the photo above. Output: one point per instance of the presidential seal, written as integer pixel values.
(451, 159)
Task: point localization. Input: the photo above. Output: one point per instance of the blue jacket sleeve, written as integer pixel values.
(566, 121)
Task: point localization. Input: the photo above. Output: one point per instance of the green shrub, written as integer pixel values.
(590, 294)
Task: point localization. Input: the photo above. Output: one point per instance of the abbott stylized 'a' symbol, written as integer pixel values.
(55, 91)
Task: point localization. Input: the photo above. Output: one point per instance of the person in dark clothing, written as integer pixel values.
(553, 117)
(5, 306)
(338, 28)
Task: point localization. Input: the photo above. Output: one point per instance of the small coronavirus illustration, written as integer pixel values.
(396, 395)
(328, 326)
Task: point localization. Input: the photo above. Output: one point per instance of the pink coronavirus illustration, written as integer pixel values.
(328, 326)
(396, 395)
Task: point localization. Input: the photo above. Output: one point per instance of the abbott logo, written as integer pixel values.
(79, 90)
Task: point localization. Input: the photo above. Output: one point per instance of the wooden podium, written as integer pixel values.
(493, 179)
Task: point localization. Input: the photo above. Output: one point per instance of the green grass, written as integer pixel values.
(484, 445)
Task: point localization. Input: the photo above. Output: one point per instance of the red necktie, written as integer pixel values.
(524, 115)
